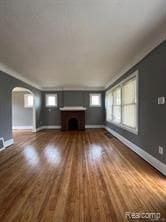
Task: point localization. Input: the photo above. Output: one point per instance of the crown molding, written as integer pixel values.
(51, 89)
(4, 68)
(74, 89)
(136, 60)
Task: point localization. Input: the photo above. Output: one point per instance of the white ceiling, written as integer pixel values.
(77, 43)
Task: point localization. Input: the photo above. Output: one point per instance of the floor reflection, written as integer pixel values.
(31, 156)
(52, 155)
(95, 152)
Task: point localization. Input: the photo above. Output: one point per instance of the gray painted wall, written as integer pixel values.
(94, 115)
(44, 116)
(152, 117)
(21, 116)
(7, 84)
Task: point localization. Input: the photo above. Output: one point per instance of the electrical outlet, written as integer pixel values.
(161, 150)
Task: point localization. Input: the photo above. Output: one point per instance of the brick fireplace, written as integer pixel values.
(73, 118)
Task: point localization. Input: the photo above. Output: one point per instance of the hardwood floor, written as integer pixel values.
(55, 176)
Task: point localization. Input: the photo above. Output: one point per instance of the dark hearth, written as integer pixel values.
(73, 124)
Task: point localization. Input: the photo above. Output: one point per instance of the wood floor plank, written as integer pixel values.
(76, 176)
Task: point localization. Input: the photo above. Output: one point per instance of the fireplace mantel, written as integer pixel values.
(72, 108)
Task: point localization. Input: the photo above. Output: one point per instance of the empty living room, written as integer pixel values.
(82, 110)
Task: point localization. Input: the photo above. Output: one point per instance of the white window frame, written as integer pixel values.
(117, 105)
(109, 118)
(95, 94)
(121, 125)
(26, 105)
(56, 99)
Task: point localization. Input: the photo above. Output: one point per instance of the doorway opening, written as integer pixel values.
(23, 109)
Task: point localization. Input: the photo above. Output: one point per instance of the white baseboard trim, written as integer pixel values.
(47, 127)
(59, 127)
(146, 156)
(2, 149)
(22, 127)
(52, 127)
(8, 143)
(94, 126)
(37, 129)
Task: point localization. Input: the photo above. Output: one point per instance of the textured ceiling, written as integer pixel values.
(80, 43)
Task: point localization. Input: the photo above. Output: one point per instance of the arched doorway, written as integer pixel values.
(23, 109)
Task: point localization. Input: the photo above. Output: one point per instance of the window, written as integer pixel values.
(121, 104)
(95, 99)
(129, 103)
(109, 103)
(28, 100)
(51, 100)
(116, 108)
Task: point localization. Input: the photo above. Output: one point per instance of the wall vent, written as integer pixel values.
(2, 145)
(109, 135)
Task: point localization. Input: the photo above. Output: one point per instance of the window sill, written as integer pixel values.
(95, 106)
(129, 129)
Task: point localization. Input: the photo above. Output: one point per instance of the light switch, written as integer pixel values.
(161, 100)
(161, 150)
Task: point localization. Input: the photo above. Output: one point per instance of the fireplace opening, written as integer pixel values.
(73, 124)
